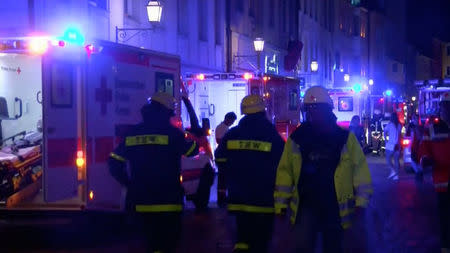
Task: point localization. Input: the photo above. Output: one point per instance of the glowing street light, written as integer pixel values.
(370, 81)
(314, 66)
(413, 99)
(154, 11)
(346, 77)
(258, 43)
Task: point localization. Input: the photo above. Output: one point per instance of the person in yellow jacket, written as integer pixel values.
(322, 176)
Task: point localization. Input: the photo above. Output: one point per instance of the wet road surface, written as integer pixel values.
(401, 217)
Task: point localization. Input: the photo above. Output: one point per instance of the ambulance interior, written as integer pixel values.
(21, 134)
(213, 99)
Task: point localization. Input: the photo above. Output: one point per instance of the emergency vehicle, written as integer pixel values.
(429, 94)
(347, 102)
(64, 105)
(215, 94)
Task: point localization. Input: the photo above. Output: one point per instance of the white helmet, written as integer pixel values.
(445, 97)
(317, 95)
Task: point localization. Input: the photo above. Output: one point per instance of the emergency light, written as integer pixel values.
(357, 88)
(388, 93)
(73, 36)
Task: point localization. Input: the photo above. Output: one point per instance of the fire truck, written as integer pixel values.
(64, 106)
(213, 95)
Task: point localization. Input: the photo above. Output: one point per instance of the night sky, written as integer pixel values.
(427, 19)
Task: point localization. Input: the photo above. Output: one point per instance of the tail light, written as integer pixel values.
(91, 195)
(406, 142)
(436, 120)
(80, 159)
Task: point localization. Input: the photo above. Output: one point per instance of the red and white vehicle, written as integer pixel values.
(347, 103)
(63, 109)
(214, 95)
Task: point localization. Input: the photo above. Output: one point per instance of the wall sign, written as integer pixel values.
(272, 64)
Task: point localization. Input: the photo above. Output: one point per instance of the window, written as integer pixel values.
(448, 70)
(218, 13)
(356, 26)
(305, 7)
(239, 5)
(131, 8)
(283, 15)
(316, 10)
(182, 19)
(272, 13)
(311, 9)
(102, 4)
(293, 100)
(448, 50)
(164, 82)
(363, 29)
(395, 67)
(345, 104)
(202, 20)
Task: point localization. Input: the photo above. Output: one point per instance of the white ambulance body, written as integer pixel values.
(86, 98)
(214, 95)
(347, 103)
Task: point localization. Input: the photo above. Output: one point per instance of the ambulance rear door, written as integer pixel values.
(63, 80)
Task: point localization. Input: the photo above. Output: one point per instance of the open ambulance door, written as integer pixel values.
(62, 84)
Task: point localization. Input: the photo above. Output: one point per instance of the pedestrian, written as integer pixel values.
(249, 155)
(322, 177)
(392, 133)
(223, 127)
(153, 150)
(435, 152)
(356, 128)
(415, 132)
(221, 130)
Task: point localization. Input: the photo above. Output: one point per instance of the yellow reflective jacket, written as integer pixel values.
(352, 180)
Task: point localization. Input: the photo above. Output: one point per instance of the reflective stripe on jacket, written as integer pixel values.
(352, 180)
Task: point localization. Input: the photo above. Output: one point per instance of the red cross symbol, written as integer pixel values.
(103, 95)
(18, 70)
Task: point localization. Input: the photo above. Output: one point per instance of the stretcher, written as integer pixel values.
(19, 169)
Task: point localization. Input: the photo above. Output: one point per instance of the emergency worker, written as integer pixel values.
(153, 150)
(220, 132)
(435, 151)
(322, 176)
(249, 155)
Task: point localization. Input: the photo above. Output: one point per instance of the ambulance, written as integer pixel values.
(347, 102)
(65, 104)
(215, 94)
(429, 95)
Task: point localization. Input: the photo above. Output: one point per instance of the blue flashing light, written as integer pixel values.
(389, 93)
(302, 93)
(73, 36)
(357, 87)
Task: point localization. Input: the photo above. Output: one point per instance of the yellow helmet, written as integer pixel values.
(317, 95)
(252, 104)
(165, 99)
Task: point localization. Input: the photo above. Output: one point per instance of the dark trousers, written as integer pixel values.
(254, 230)
(444, 218)
(307, 229)
(162, 231)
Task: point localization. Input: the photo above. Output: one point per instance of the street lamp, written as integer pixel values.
(370, 81)
(346, 77)
(258, 43)
(154, 11)
(314, 66)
